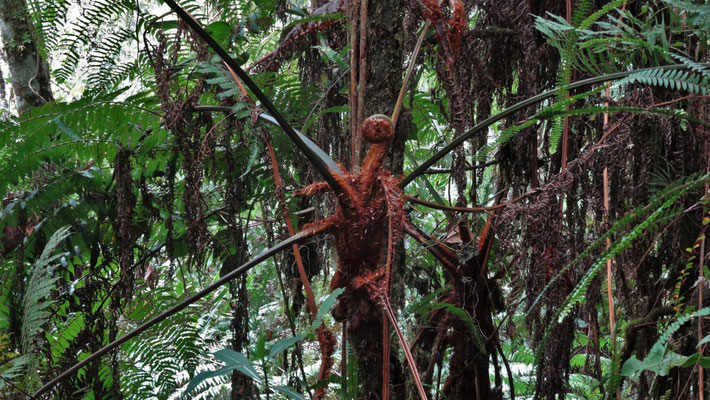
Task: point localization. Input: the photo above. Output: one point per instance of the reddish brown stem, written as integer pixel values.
(385, 327)
(442, 253)
(407, 353)
(325, 337)
(310, 298)
(609, 277)
(385, 359)
(451, 208)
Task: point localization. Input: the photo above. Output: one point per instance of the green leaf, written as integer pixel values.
(220, 31)
(283, 344)
(238, 361)
(255, 151)
(203, 376)
(697, 359)
(631, 366)
(64, 128)
(288, 392)
(260, 350)
(325, 307)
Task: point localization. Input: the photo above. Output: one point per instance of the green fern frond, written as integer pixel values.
(660, 205)
(60, 342)
(82, 31)
(600, 13)
(103, 61)
(670, 79)
(37, 299)
(624, 222)
(577, 295)
(11, 371)
(89, 129)
(176, 347)
(701, 68)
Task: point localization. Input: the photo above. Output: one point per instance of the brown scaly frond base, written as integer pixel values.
(370, 205)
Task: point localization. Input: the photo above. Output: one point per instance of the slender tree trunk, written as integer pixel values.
(3, 96)
(29, 72)
(242, 386)
(383, 78)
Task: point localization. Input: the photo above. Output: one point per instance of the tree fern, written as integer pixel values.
(162, 363)
(660, 362)
(36, 306)
(578, 294)
(89, 129)
(37, 301)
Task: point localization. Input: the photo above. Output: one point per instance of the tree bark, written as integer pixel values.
(3, 96)
(383, 73)
(29, 72)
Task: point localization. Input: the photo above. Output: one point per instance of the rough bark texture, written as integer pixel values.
(385, 38)
(385, 41)
(29, 72)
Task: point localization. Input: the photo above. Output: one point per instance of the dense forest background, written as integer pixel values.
(354, 199)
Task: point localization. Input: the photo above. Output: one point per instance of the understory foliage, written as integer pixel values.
(461, 251)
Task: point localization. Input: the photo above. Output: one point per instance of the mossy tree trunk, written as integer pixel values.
(383, 76)
(29, 71)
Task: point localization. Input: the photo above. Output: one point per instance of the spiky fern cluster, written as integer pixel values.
(653, 213)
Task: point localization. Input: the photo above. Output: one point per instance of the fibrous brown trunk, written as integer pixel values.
(383, 77)
(29, 72)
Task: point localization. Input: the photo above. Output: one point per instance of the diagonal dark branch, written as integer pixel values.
(446, 256)
(321, 162)
(285, 244)
(520, 106)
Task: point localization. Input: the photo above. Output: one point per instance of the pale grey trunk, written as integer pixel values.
(29, 73)
(3, 96)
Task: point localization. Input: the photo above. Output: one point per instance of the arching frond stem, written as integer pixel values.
(324, 165)
(519, 106)
(285, 244)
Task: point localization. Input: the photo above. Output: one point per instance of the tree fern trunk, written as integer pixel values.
(29, 72)
(384, 69)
